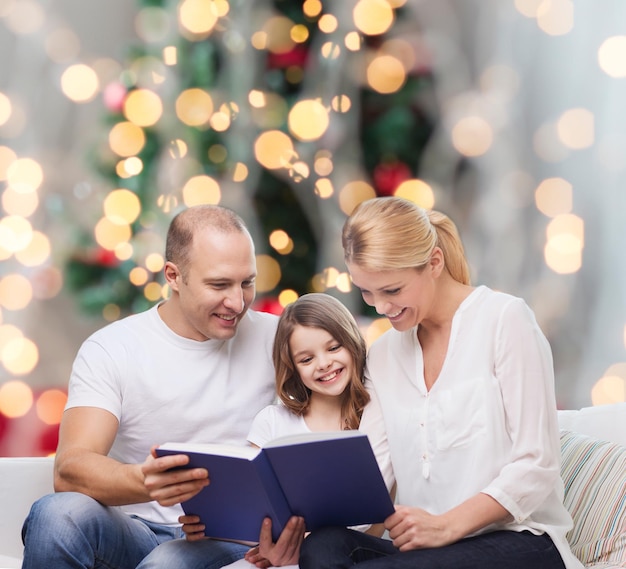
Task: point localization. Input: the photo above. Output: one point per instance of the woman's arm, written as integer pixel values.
(413, 528)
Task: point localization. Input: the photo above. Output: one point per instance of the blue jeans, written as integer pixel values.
(335, 548)
(68, 530)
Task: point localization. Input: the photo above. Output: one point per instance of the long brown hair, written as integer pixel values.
(316, 310)
(388, 234)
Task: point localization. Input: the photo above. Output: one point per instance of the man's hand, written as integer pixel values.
(169, 487)
(285, 551)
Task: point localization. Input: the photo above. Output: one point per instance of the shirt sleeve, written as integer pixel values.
(263, 427)
(524, 369)
(95, 380)
(373, 425)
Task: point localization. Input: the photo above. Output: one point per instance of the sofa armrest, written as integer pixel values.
(22, 481)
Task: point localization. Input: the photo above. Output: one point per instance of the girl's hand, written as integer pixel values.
(253, 556)
(414, 528)
(192, 527)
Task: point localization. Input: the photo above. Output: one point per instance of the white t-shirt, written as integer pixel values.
(163, 387)
(488, 424)
(273, 422)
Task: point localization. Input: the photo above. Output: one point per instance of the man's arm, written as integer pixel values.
(82, 465)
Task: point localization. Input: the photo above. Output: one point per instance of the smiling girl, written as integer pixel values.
(319, 357)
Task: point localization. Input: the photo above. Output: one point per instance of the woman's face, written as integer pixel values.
(403, 296)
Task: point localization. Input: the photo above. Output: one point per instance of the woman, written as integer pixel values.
(466, 391)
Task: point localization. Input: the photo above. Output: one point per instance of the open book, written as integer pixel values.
(330, 479)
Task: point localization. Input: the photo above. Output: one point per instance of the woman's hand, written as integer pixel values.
(414, 528)
(192, 527)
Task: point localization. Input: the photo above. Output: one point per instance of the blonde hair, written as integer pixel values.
(317, 310)
(389, 234)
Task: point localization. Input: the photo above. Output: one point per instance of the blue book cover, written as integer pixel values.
(328, 478)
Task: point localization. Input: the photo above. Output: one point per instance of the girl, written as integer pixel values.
(319, 358)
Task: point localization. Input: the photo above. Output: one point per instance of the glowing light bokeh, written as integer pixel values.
(274, 149)
(194, 107)
(353, 193)
(198, 16)
(16, 399)
(417, 191)
(122, 206)
(612, 56)
(80, 83)
(24, 175)
(5, 108)
(50, 405)
(268, 273)
(472, 136)
(127, 139)
(37, 252)
(554, 196)
(386, 74)
(556, 17)
(308, 120)
(373, 17)
(143, 107)
(20, 356)
(110, 235)
(575, 128)
(287, 296)
(201, 190)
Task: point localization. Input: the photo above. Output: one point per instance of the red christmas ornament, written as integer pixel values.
(388, 176)
(268, 304)
(106, 258)
(297, 56)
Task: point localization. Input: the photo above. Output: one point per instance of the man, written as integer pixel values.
(195, 368)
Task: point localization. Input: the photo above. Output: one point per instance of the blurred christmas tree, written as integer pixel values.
(289, 112)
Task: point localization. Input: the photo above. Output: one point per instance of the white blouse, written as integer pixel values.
(488, 424)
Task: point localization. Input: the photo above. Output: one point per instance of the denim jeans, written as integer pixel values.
(335, 548)
(68, 530)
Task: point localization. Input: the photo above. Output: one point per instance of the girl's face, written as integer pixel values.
(404, 296)
(323, 364)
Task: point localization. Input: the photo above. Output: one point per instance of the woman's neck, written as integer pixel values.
(450, 295)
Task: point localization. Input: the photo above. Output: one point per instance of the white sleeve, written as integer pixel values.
(263, 427)
(373, 425)
(95, 380)
(524, 370)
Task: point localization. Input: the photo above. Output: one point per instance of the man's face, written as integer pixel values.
(218, 287)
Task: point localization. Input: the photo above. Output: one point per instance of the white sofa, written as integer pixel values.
(593, 444)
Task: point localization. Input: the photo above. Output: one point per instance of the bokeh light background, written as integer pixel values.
(528, 156)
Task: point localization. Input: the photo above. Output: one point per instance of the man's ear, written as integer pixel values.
(437, 262)
(172, 275)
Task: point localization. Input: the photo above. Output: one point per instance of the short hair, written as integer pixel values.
(391, 233)
(192, 220)
(317, 310)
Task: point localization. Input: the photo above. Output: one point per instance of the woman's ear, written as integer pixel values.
(437, 262)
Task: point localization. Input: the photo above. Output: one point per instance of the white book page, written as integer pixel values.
(248, 452)
(311, 437)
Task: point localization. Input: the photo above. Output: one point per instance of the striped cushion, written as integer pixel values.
(594, 476)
